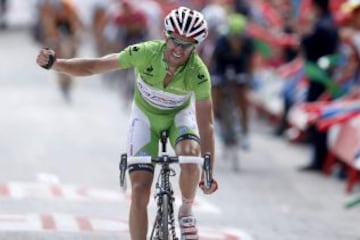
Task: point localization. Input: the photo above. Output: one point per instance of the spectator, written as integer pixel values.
(243, 7)
(289, 55)
(350, 36)
(3, 11)
(320, 39)
(125, 26)
(216, 17)
(98, 22)
(153, 12)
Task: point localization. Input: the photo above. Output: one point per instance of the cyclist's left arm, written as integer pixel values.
(205, 120)
(204, 107)
(205, 116)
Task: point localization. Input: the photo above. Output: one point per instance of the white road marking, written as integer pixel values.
(14, 222)
(59, 222)
(41, 190)
(47, 178)
(66, 223)
(238, 232)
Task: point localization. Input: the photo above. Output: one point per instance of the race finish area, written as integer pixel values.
(60, 168)
(56, 222)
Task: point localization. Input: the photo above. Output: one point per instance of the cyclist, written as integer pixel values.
(232, 66)
(98, 22)
(60, 26)
(168, 74)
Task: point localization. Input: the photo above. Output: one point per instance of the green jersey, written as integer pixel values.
(150, 70)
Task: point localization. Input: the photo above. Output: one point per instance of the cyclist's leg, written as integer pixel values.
(141, 141)
(184, 137)
(189, 175)
(223, 98)
(140, 187)
(243, 105)
(217, 97)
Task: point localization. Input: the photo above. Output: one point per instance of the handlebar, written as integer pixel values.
(205, 162)
(164, 159)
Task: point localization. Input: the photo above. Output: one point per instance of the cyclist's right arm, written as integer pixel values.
(80, 66)
(87, 66)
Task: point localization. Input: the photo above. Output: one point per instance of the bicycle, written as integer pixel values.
(228, 122)
(164, 224)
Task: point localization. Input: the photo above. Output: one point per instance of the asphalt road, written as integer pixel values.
(59, 168)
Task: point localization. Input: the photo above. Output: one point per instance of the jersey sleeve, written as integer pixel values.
(202, 83)
(133, 56)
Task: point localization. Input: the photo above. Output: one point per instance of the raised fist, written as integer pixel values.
(46, 58)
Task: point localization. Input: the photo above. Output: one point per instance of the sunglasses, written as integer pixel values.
(183, 44)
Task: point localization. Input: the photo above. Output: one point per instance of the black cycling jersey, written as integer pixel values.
(232, 65)
(64, 27)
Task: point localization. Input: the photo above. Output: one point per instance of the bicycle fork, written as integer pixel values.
(164, 188)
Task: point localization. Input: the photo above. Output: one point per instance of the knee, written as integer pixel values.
(188, 148)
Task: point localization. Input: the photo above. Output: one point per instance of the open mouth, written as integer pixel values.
(176, 55)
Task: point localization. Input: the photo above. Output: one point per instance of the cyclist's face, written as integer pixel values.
(178, 49)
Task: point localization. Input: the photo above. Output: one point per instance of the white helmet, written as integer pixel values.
(186, 22)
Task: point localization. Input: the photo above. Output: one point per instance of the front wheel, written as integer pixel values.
(165, 217)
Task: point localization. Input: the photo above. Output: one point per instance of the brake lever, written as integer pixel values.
(123, 167)
(207, 167)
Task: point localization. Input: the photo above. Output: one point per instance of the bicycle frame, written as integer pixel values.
(165, 203)
(164, 224)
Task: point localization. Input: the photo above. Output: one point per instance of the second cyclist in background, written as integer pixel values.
(59, 29)
(231, 75)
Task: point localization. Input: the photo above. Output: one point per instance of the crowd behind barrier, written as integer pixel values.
(284, 75)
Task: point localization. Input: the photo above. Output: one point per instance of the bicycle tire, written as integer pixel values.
(228, 128)
(165, 217)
